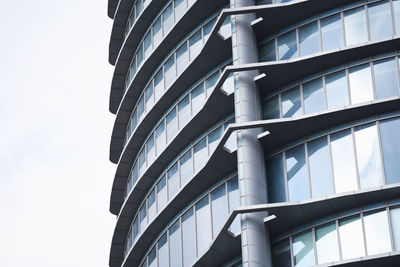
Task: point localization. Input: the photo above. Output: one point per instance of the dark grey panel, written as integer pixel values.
(111, 7)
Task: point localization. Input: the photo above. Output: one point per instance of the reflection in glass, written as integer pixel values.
(313, 96)
(143, 218)
(377, 233)
(180, 6)
(368, 156)
(380, 20)
(297, 174)
(163, 251)
(332, 33)
(309, 39)
(276, 179)
(395, 220)
(158, 84)
(234, 201)
(287, 45)
(396, 9)
(303, 250)
(268, 51)
(142, 162)
(188, 238)
(361, 84)
(281, 254)
(213, 138)
(175, 245)
(203, 225)
(160, 138)
(291, 103)
(351, 237)
(151, 204)
(157, 32)
(153, 257)
(356, 26)
(168, 19)
(161, 193)
(210, 83)
(173, 181)
(186, 167)
(184, 111)
(150, 149)
(169, 71)
(182, 58)
(200, 154)
(327, 243)
(386, 81)
(149, 96)
(198, 98)
(219, 209)
(320, 167)
(343, 161)
(172, 125)
(147, 45)
(336, 89)
(390, 132)
(195, 43)
(271, 108)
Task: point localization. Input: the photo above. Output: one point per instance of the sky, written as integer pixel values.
(55, 129)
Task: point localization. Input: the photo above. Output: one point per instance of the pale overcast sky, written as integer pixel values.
(55, 176)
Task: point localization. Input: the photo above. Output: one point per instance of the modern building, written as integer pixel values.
(255, 133)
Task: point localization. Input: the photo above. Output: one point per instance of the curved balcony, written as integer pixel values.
(177, 199)
(204, 114)
(111, 7)
(159, 46)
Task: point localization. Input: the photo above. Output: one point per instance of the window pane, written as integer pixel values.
(287, 45)
(396, 8)
(380, 20)
(150, 149)
(210, 82)
(139, 8)
(175, 245)
(158, 84)
(173, 181)
(142, 161)
(135, 230)
(168, 19)
(195, 44)
(303, 250)
(163, 251)
(327, 243)
(386, 81)
(276, 179)
(336, 90)
(147, 45)
(297, 174)
(203, 223)
(169, 71)
(219, 209)
(160, 138)
(140, 56)
(344, 169)
(188, 238)
(200, 155)
(153, 257)
(390, 132)
(377, 232)
(149, 96)
(157, 32)
(186, 167)
(141, 108)
(320, 167)
(161, 194)
(180, 8)
(291, 103)
(234, 201)
(271, 108)
(351, 237)
(368, 156)
(208, 27)
(313, 96)
(182, 58)
(135, 174)
(213, 139)
(332, 32)
(355, 25)
(395, 219)
(361, 84)
(281, 254)
(309, 39)
(198, 98)
(268, 51)
(172, 125)
(143, 218)
(151, 204)
(184, 111)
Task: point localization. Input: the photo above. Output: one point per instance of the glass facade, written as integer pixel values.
(353, 24)
(353, 83)
(361, 232)
(346, 158)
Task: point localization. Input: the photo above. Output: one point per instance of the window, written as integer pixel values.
(268, 51)
(175, 245)
(361, 84)
(150, 149)
(195, 44)
(142, 161)
(271, 108)
(303, 250)
(180, 8)
(140, 108)
(184, 111)
(158, 84)
(219, 209)
(386, 80)
(327, 243)
(313, 93)
(157, 32)
(336, 90)
(186, 167)
(395, 219)
(149, 96)
(297, 174)
(173, 181)
(188, 238)
(168, 19)
(208, 28)
(147, 45)
(396, 9)
(356, 26)
(203, 223)
(161, 193)
(182, 58)
(309, 39)
(140, 56)
(320, 167)
(153, 257)
(160, 138)
(213, 138)
(368, 156)
(332, 32)
(151, 203)
(143, 218)
(163, 251)
(343, 161)
(276, 179)
(377, 233)
(291, 103)
(200, 154)
(380, 20)
(281, 254)
(351, 237)
(287, 46)
(169, 71)
(198, 98)
(390, 132)
(234, 201)
(172, 125)
(210, 83)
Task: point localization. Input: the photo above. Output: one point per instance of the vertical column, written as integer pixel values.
(251, 166)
